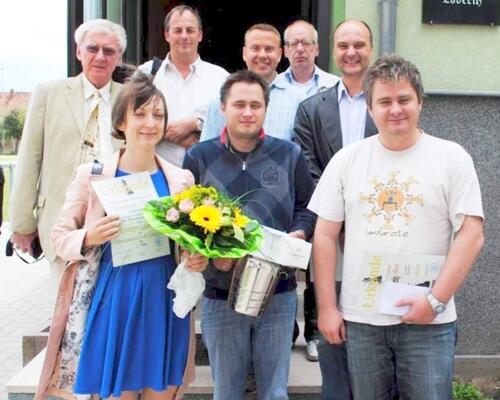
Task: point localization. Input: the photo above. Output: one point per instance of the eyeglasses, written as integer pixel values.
(306, 44)
(106, 51)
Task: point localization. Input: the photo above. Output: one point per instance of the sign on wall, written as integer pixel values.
(477, 12)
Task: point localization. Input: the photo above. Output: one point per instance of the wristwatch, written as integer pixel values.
(436, 305)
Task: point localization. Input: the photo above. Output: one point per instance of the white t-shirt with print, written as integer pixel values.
(405, 203)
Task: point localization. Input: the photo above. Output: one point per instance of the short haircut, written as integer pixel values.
(137, 91)
(244, 76)
(361, 22)
(392, 68)
(265, 28)
(103, 26)
(301, 21)
(181, 9)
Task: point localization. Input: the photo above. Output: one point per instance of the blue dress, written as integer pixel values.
(133, 340)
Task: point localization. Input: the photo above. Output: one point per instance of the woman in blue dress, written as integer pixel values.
(133, 342)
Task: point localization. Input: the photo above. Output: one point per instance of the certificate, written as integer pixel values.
(126, 197)
(404, 274)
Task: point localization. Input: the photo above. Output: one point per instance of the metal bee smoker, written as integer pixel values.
(253, 284)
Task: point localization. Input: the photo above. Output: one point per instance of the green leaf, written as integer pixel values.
(208, 240)
(158, 205)
(251, 226)
(238, 233)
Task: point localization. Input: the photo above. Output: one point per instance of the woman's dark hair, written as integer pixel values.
(137, 91)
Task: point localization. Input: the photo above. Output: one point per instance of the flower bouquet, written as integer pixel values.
(202, 220)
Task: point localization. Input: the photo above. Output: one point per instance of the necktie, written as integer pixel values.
(90, 146)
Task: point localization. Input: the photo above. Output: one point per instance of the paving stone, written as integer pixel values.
(20, 313)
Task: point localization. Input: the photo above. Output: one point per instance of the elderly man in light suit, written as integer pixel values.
(68, 122)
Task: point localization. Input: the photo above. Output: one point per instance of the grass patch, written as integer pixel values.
(467, 391)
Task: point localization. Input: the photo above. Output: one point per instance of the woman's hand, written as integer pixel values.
(195, 262)
(224, 264)
(104, 230)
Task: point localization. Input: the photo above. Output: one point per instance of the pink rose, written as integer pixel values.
(172, 215)
(208, 202)
(186, 206)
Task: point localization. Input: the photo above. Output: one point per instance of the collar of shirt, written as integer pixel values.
(224, 139)
(278, 82)
(168, 64)
(289, 77)
(344, 94)
(89, 90)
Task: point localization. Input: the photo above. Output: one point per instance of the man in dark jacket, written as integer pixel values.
(271, 174)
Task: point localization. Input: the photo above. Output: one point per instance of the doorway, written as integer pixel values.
(225, 22)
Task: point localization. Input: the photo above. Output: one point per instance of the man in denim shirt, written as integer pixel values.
(262, 54)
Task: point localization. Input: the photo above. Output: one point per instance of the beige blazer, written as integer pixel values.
(47, 156)
(81, 210)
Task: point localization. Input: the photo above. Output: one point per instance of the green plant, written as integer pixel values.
(12, 126)
(467, 391)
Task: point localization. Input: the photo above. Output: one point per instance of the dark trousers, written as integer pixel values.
(310, 311)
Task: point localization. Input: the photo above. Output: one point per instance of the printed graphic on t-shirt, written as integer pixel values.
(378, 268)
(390, 201)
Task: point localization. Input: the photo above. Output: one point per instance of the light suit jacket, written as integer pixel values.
(82, 210)
(47, 156)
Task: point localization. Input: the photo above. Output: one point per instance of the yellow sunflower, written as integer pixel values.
(208, 217)
(186, 194)
(239, 219)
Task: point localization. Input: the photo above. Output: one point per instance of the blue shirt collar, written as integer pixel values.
(342, 91)
(289, 77)
(278, 82)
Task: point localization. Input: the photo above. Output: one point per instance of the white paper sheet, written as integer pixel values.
(126, 197)
(393, 292)
(282, 249)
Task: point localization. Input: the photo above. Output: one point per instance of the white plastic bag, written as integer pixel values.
(188, 287)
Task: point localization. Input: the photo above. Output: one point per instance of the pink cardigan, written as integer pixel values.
(81, 210)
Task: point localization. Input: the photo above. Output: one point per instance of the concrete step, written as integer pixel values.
(304, 379)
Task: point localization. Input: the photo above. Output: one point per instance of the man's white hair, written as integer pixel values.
(104, 26)
(301, 21)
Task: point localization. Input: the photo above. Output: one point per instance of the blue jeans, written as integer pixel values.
(334, 370)
(233, 340)
(420, 356)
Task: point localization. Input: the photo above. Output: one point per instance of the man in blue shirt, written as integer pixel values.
(325, 123)
(301, 50)
(262, 53)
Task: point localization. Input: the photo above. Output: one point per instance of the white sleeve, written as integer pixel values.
(146, 67)
(327, 200)
(464, 193)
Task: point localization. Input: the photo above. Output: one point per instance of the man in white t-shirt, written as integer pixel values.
(186, 81)
(413, 217)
